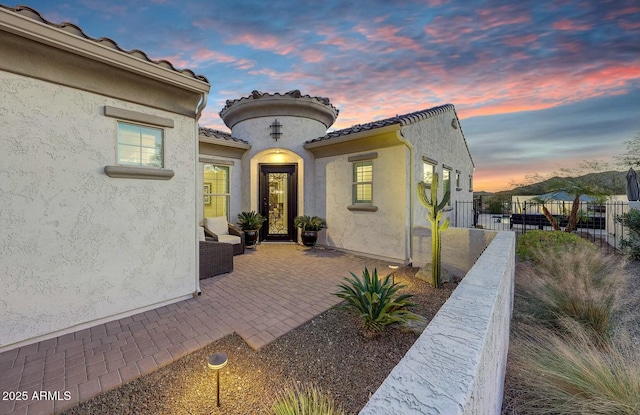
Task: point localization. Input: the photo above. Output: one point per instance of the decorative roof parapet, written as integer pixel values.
(292, 103)
(71, 28)
(404, 119)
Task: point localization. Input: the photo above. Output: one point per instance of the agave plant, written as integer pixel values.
(373, 300)
(249, 221)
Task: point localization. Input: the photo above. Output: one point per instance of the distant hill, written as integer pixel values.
(613, 182)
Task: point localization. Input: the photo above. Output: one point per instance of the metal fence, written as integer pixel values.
(595, 220)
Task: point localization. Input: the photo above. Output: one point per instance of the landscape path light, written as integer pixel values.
(217, 362)
(393, 273)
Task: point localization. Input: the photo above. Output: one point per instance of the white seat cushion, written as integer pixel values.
(217, 225)
(201, 233)
(229, 239)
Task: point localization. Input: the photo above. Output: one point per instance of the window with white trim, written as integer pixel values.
(139, 145)
(216, 193)
(428, 169)
(446, 183)
(363, 182)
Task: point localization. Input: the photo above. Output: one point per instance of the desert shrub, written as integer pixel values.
(553, 240)
(307, 400)
(573, 374)
(576, 283)
(630, 244)
(374, 300)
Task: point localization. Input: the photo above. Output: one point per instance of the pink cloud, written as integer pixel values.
(570, 25)
(263, 42)
(501, 16)
(389, 35)
(520, 41)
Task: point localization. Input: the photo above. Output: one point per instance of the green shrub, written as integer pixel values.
(553, 240)
(573, 374)
(307, 400)
(373, 300)
(576, 283)
(630, 244)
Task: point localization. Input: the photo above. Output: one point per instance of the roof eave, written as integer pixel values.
(52, 36)
(224, 143)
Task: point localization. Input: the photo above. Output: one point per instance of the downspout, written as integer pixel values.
(198, 112)
(411, 189)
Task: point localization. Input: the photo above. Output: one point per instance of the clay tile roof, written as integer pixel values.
(294, 93)
(220, 135)
(404, 119)
(75, 30)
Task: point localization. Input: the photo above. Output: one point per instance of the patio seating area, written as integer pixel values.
(271, 290)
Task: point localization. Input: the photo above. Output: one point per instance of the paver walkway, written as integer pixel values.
(272, 290)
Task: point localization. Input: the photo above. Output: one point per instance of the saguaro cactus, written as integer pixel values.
(436, 211)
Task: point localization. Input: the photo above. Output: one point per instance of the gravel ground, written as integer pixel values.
(629, 320)
(330, 352)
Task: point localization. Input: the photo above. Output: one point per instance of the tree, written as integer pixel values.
(568, 180)
(435, 213)
(632, 157)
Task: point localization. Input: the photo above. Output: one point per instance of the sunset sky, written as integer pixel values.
(538, 85)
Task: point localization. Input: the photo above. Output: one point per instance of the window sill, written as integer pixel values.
(133, 172)
(362, 208)
(458, 189)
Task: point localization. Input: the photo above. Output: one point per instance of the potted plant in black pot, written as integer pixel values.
(309, 226)
(250, 223)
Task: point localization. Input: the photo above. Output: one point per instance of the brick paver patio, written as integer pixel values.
(272, 290)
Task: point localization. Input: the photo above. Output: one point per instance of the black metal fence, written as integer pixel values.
(595, 220)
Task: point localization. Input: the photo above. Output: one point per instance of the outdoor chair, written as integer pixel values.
(215, 257)
(220, 230)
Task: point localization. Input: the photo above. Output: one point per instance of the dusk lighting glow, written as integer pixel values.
(537, 85)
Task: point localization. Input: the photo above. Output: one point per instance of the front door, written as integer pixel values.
(279, 201)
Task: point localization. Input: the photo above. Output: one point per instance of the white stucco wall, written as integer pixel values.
(295, 131)
(436, 139)
(457, 365)
(78, 246)
(382, 233)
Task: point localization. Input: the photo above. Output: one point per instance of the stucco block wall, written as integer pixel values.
(382, 233)
(436, 139)
(78, 246)
(457, 365)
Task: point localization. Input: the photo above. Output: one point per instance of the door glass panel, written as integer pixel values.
(278, 192)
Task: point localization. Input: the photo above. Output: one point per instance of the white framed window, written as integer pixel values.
(140, 145)
(363, 182)
(446, 183)
(216, 193)
(428, 170)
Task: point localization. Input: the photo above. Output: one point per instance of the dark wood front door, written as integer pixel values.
(279, 201)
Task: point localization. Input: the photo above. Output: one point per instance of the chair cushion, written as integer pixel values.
(201, 233)
(229, 239)
(217, 225)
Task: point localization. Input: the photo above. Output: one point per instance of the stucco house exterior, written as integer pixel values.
(280, 160)
(98, 180)
(105, 176)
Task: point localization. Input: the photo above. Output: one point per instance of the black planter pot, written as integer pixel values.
(251, 237)
(309, 238)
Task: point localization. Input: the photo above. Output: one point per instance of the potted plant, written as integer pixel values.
(250, 223)
(309, 226)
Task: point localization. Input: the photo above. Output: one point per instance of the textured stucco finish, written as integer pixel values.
(295, 131)
(457, 365)
(381, 233)
(78, 246)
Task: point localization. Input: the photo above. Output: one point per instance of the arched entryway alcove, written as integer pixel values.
(277, 191)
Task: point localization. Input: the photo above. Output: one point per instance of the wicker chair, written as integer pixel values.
(215, 258)
(238, 248)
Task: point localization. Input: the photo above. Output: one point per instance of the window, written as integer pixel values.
(470, 183)
(458, 187)
(216, 191)
(140, 145)
(446, 183)
(363, 182)
(427, 173)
